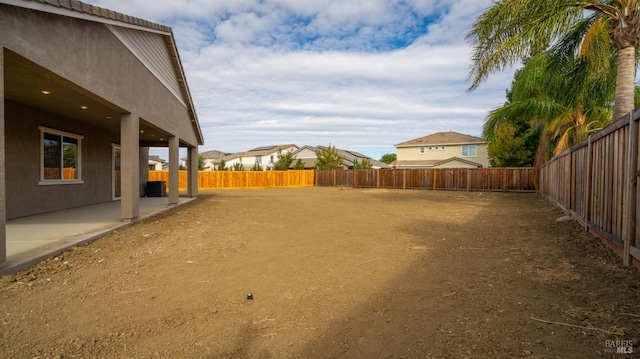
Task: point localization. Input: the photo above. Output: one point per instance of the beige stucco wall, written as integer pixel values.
(413, 153)
(89, 55)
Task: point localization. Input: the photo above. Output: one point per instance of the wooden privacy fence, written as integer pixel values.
(596, 183)
(240, 179)
(464, 179)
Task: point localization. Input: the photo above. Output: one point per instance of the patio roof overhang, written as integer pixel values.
(32, 85)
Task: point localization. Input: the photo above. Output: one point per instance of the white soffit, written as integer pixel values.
(152, 51)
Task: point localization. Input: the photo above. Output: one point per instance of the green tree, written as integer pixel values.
(237, 167)
(284, 161)
(299, 165)
(513, 30)
(257, 167)
(556, 99)
(222, 166)
(328, 158)
(365, 164)
(388, 158)
(508, 150)
(200, 162)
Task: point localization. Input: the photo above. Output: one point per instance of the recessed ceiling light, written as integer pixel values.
(45, 92)
(109, 117)
(141, 131)
(84, 107)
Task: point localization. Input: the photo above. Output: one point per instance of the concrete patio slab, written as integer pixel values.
(34, 238)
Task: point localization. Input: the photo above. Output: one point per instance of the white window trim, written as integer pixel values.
(462, 151)
(44, 182)
(421, 150)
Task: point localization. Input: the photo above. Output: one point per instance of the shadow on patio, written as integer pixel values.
(34, 238)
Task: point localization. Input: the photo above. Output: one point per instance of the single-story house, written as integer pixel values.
(442, 150)
(85, 91)
(307, 154)
(265, 156)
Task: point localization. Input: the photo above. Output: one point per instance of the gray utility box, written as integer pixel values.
(156, 189)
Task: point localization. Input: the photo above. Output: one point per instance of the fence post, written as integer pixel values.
(504, 179)
(334, 177)
(404, 178)
(632, 168)
(355, 174)
(572, 186)
(377, 178)
(468, 179)
(587, 193)
(435, 179)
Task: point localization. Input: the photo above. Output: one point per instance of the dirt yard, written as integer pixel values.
(333, 273)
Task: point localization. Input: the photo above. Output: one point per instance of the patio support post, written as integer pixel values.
(192, 174)
(144, 170)
(130, 166)
(3, 203)
(174, 167)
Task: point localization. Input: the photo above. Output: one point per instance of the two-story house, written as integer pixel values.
(307, 154)
(442, 150)
(265, 156)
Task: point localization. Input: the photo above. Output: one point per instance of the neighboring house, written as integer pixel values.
(442, 150)
(156, 163)
(85, 92)
(212, 159)
(265, 156)
(308, 156)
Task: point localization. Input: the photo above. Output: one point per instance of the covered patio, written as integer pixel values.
(34, 238)
(84, 93)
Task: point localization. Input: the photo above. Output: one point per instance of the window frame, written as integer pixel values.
(467, 147)
(62, 134)
(421, 150)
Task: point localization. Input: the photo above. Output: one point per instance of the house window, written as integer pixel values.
(443, 148)
(259, 159)
(421, 150)
(469, 151)
(60, 157)
(271, 158)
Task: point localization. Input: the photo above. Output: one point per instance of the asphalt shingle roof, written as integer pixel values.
(442, 138)
(101, 12)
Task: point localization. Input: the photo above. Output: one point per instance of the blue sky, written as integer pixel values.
(359, 75)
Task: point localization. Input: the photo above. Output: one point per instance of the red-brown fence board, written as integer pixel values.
(454, 179)
(596, 182)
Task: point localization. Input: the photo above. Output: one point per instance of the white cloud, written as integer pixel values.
(362, 75)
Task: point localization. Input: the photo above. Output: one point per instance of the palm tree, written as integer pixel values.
(513, 30)
(561, 97)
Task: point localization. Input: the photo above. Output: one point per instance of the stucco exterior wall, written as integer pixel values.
(306, 153)
(89, 55)
(24, 195)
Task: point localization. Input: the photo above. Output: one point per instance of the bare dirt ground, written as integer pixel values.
(334, 273)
